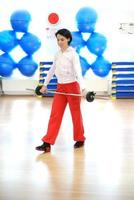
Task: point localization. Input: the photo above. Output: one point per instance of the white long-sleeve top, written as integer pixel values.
(66, 67)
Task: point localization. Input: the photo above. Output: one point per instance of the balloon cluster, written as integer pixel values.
(86, 19)
(28, 42)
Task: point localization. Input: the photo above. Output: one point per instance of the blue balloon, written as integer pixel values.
(20, 20)
(27, 66)
(97, 43)
(8, 40)
(84, 65)
(101, 67)
(7, 65)
(30, 43)
(77, 41)
(86, 19)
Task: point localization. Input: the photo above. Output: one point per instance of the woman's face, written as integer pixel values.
(62, 41)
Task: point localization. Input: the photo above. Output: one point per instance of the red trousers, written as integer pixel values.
(58, 108)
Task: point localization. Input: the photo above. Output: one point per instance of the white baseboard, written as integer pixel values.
(19, 87)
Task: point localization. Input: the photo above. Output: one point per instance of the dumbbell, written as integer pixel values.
(89, 95)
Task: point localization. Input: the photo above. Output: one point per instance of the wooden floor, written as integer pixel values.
(102, 170)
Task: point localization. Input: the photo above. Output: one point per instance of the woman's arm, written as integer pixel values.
(48, 78)
(78, 70)
(49, 74)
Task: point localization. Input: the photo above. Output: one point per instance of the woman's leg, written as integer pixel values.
(58, 108)
(74, 105)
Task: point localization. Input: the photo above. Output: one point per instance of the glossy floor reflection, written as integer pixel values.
(102, 170)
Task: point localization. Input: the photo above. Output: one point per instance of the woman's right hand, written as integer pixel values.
(43, 89)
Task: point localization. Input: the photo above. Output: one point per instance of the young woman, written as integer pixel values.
(66, 67)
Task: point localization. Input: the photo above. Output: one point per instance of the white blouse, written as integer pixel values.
(66, 67)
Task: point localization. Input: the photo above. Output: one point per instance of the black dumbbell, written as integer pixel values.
(89, 95)
(37, 90)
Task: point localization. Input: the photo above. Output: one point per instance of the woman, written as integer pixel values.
(66, 67)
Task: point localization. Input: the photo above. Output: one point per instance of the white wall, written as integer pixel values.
(110, 14)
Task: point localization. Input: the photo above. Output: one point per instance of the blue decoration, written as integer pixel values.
(77, 41)
(7, 65)
(97, 44)
(84, 65)
(86, 19)
(27, 66)
(20, 20)
(101, 67)
(30, 43)
(8, 40)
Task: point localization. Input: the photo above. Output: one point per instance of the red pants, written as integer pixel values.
(58, 108)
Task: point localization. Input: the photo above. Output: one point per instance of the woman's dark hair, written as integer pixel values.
(66, 33)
